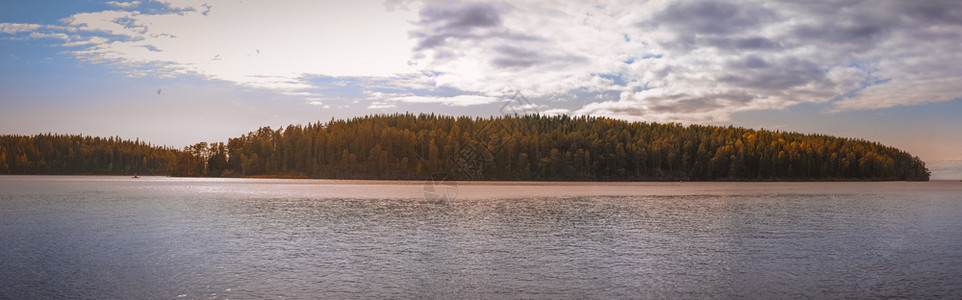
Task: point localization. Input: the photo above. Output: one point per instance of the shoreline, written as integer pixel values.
(476, 182)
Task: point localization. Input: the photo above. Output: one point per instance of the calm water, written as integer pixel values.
(156, 237)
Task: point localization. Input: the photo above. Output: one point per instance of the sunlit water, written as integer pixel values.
(156, 237)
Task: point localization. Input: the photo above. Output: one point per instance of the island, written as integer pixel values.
(428, 146)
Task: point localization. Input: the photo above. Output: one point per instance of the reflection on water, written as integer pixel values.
(112, 237)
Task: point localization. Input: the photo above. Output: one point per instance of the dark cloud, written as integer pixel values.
(472, 21)
(688, 18)
(466, 17)
(740, 43)
(449, 30)
(756, 73)
(718, 24)
(759, 61)
(735, 26)
(625, 110)
(687, 104)
(439, 39)
(932, 11)
(749, 62)
(517, 57)
(857, 26)
(716, 56)
(859, 33)
(693, 106)
(514, 57)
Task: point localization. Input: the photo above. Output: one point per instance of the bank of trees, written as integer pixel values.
(407, 146)
(75, 154)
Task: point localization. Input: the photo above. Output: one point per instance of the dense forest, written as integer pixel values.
(407, 146)
(75, 154)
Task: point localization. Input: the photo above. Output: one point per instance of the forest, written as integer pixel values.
(52, 154)
(428, 146)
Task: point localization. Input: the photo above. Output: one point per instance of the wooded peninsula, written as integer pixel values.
(428, 146)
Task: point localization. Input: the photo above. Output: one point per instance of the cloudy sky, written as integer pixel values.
(176, 72)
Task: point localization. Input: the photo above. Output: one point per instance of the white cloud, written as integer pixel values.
(124, 4)
(18, 27)
(542, 49)
(381, 105)
(89, 41)
(460, 100)
(319, 103)
(58, 35)
(555, 112)
(700, 61)
(260, 44)
(687, 61)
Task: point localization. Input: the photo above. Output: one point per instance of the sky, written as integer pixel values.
(177, 72)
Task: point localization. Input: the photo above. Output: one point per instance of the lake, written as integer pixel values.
(198, 238)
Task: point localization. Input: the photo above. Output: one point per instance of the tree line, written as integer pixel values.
(426, 146)
(54, 154)
(535, 147)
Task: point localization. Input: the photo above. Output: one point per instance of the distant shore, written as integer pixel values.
(499, 182)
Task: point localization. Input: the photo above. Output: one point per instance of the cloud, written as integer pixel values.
(124, 4)
(673, 61)
(946, 168)
(690, 20)
(471, 21)
(18, 27)
(465, 17)
(58, 35)
(855, 55)
(89, 41)
(383, 99)
(543, 49)
(380, 105)
(319, 103)
(914, 63)
(272, 45)
(771, 75)
(654, 105)
(555, 112)
(460, 100)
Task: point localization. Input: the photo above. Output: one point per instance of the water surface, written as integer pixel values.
(158, 237)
